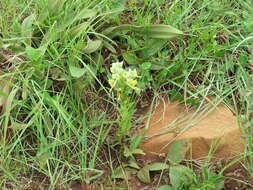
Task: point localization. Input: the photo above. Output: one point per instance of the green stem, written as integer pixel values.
(126, 111)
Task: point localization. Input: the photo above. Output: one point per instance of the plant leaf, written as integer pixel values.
(181, 175)
(55, 6)
(92, 46)
(76, 71)
(109, 46)
(176, 152)
(143, 175)
(79, 28)
(157, 166)
(165, 187)
(50, 36)
(133, 164)
(26, 28)
(162, 31)
(128, 152)
(120, 173)
(130, 58)
(85, 13)
(157, 31)
(153, 46)
(116, 7)
(71, 18)
(33, 54)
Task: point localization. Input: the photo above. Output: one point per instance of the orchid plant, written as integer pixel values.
(124, 82)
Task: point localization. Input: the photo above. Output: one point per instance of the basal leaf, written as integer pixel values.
(162, 31)
(143, 175)
(80, 28)
(153, 46)
(181, 175)
(165, 187)
(133, 164)
(119, 173)
(130, 58)
(109, 46)
(116, 7)
(157, 166)
(26, 28)
(157, 31)
(76, 71)
(55, 6)
(177, 152)
(92, 46)
(86, 13)
(33, 54)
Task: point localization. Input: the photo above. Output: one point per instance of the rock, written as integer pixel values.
(215, 129)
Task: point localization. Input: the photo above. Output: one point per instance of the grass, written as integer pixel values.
(60, 114)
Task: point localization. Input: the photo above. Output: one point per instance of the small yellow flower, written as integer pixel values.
(122, 78)
(112, 83)
(132, 83)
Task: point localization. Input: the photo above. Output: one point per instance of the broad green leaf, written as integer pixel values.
(99, 59)
(181, 175)
(51, 35)
(26, 28)
(80, 28)
(165, 187)
(85, 13)
(130, 58)
(116, 7)
(157, 66)
(143, 175)
(92, 46)
(157, 31)
(157, 166)
(33, 54)
(131, 170)
(128, 152)
(71, 18)
(162, 31)
(114, 31)
(146, 66)
(176, 152)
(76, 71)
(109, 46)
(133, 164)
(43, 14)
(55, 6)
(153, 46)
(57, 74)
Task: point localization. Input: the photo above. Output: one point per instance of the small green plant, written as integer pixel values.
(124, 82)
(181, 177)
